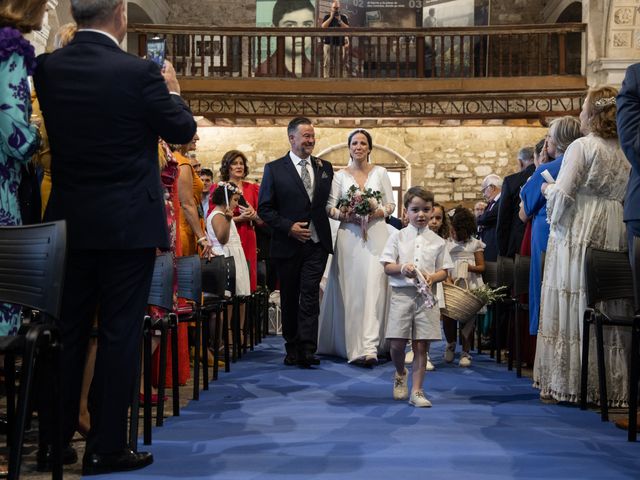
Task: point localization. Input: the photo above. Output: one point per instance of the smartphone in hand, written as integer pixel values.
(157, 50)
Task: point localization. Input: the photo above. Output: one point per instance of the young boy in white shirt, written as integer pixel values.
(408, 250)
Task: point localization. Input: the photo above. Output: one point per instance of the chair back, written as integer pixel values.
(189, 278)
(262, 273)
(505, 273)
(635, 271)
(161, 292)
(490, 274)
(214, 275)
(231, 275)
(608, 276)
(32, 265)
(521, 267)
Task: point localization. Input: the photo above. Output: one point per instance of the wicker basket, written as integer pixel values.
(460, 303)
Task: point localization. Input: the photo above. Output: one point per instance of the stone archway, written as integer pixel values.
(144, 11)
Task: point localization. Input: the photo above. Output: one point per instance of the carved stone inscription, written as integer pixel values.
(488, 106)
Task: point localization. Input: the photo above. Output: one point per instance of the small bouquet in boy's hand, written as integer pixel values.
(424, 290)
(360, 203)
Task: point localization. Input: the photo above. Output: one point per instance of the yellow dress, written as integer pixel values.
(187, 236)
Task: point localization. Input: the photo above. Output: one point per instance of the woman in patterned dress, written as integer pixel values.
(19, 139)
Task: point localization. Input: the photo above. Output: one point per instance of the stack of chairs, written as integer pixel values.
(32, 268)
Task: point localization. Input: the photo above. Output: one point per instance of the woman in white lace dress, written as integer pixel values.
(353, 310)
(584, 208)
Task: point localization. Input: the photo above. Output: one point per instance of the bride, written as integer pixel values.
(353, 310)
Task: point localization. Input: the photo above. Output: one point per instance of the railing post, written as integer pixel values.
(419, 56)
(280, 56)
(142, 44)
(562, 54)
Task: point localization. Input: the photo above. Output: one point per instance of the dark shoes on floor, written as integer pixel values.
(97, 464)
(302, 361)
(44, 457)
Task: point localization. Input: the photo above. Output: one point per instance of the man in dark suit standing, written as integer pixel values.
(628, 119)
(104, 111)
(292, 201)
(491, 188)
(509, 227)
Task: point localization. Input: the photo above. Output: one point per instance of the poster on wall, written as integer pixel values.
(285, 14)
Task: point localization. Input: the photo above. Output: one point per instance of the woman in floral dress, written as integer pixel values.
(19, 139)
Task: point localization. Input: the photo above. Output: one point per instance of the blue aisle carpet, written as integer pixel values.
(267, 421)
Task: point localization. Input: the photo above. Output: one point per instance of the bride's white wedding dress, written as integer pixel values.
(353, 311)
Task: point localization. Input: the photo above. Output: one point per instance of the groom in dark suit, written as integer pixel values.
(292, 201)
(628, 120)
(104, 111)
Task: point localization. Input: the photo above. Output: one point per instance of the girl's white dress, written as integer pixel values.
(584, 208)
(353, 311)
(464, 252)
(233, 248)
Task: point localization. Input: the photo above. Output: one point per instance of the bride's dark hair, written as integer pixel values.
(366, 134)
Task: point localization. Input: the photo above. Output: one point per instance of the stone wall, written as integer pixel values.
(450, 161)
(235, 13)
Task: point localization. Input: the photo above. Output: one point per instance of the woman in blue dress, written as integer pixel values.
(562, 131)
(19, 139)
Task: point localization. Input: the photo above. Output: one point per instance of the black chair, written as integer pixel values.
(214, 283)
(505, 278)
(608, 277)
(490, 278)
(520, 290)
(634, 366)
(160, 295)
(32, 268)
(189, 273)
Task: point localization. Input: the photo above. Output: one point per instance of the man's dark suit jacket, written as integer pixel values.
(283, 201)
(104, 110)
(509, 227)
(487, 225)
(628, 120)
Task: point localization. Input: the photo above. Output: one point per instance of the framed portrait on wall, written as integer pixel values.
(284, 14)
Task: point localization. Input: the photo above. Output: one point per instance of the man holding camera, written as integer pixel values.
(334, 58)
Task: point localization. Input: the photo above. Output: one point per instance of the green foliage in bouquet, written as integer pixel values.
(360, 202)
(488, 295)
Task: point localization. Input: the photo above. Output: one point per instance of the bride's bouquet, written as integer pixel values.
(360, 203)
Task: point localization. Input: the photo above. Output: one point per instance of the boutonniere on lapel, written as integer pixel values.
(318, 162)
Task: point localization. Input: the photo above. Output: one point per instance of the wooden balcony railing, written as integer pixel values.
(462, 52)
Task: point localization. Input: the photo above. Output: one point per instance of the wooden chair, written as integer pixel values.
(608, 277)
(32, 268)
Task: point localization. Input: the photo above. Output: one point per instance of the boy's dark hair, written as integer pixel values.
(419, 192)
(206, 171)
(293, 124)
(464, 223)
(218, 197)
(538, 147)
(282, 7)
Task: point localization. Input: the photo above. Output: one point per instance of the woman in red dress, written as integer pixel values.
(235, 168)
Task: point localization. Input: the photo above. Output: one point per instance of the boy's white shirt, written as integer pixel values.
(425, 249)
